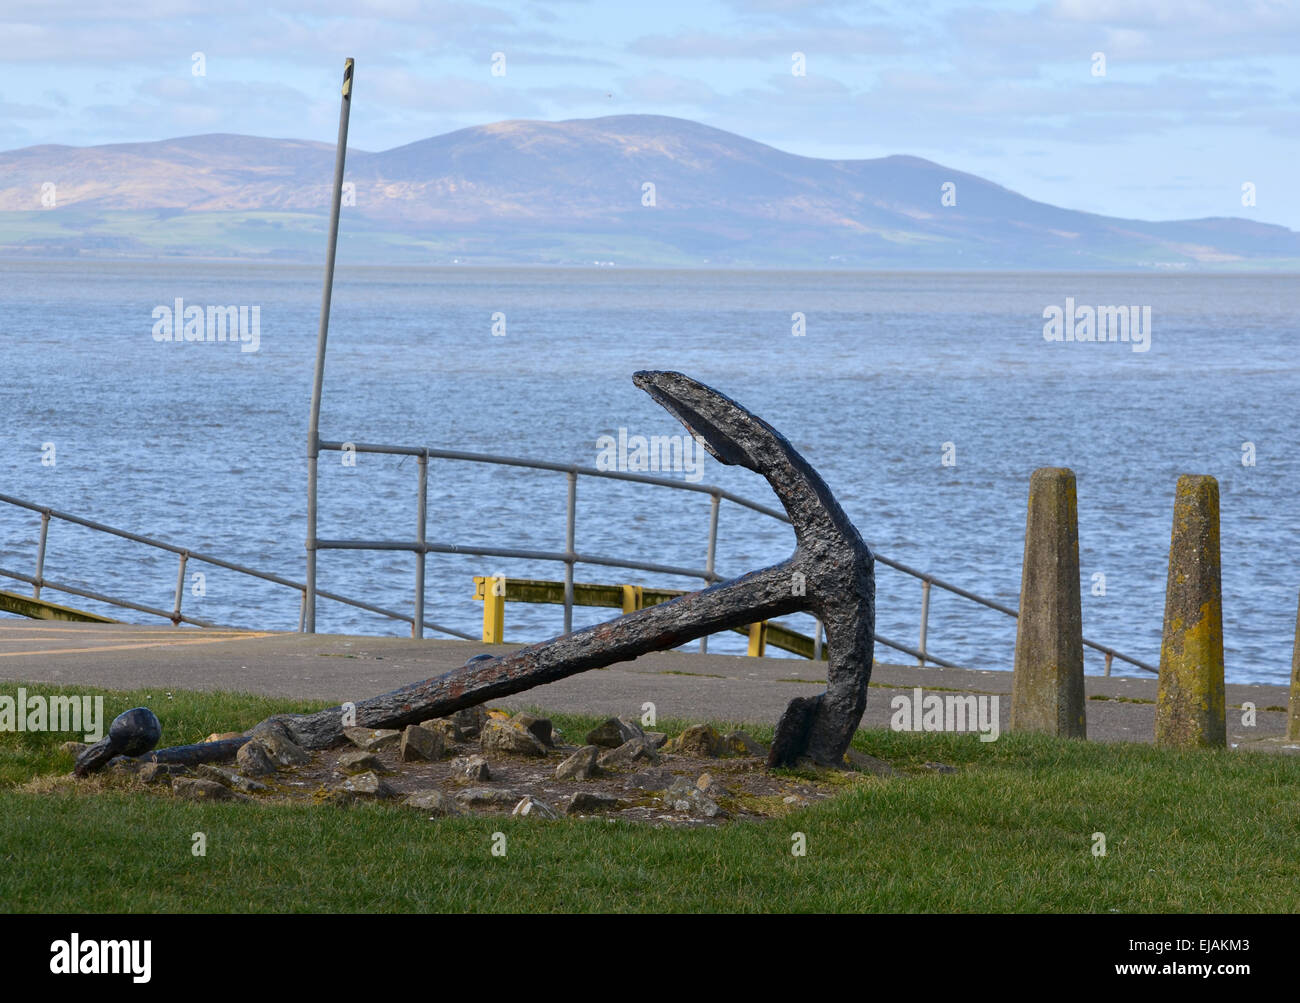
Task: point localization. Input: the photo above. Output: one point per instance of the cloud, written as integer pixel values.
(666, 89)
(854, 43)
(1132, 31)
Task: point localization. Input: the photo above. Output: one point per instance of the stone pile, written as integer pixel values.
(480, 762)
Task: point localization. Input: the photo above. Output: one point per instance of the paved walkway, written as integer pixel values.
(684, 685)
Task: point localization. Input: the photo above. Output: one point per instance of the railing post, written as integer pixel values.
(180, 588)
(757, 639)
(633, 598)
(40, 555)
(817, 642)
(714, 503)
(1109, 656)
(417, 624)
(302, 609)
(322, 334)
(925, 616)
(570, 536)
(494, 610)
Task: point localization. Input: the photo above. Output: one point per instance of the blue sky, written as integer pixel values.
(1197, 97)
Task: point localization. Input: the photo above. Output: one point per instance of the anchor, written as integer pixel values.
(830, 574)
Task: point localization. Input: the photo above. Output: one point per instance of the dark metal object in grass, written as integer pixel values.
(132, 733)
(831, 574)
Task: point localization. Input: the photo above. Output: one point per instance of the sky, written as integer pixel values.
(1196, 99)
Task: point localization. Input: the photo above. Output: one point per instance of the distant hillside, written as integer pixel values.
(572, 192)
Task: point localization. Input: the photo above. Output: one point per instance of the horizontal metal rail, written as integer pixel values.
(529, 555)
(564, 468)
(175, 615)
(570, 558)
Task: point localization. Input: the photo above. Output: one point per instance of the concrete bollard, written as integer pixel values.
(1293, 718)
(1189, 699)
(1047, 691)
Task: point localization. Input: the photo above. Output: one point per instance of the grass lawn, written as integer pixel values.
(1012, 830)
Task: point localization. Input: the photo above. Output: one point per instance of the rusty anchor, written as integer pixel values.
(830, 574)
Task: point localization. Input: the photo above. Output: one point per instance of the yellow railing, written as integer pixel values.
(494, 592)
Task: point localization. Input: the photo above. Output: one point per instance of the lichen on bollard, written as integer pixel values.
(1190, 700)
(1293, 715)
(1047, 689)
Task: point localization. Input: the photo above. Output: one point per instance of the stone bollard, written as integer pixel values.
(1047, 691)
(1293, 718)
(1189, 700)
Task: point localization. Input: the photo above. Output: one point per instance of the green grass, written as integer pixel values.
(1011, 831)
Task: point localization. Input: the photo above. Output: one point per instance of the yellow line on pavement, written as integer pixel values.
(124, 647)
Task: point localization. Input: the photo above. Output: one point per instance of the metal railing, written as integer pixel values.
(570, 557)
(38, 580)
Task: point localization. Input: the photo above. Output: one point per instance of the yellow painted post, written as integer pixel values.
(758, 639)
(494, 610)
(633, 598)
(1189, 700)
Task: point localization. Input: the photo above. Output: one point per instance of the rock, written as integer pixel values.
(506, 736)
(657, 739)
(539, 726)
(530, 807)
(248, 786)
(797, 800)
(436, 803)
(471, 768)
(369, 784)
(373, 739)
(698, 740)
(468, 722)
(125, 766)
(940, 767)
(614, 732)
(253, 760)
(74, 749)
(706, 784)
(580, 766)
(740, 743)
(221, 736)
(279, 744)
(650, 780)
(196, 789)
(419, 743)
(359, 761)
(227, 778)
(587, 802)
(634, 750)
(159, 773)
(486, 797)
(684, 796)
(863, 763)
(442, 726)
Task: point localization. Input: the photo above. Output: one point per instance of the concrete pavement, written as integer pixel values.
(724, 688)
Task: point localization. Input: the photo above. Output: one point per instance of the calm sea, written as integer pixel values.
(204, 445)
